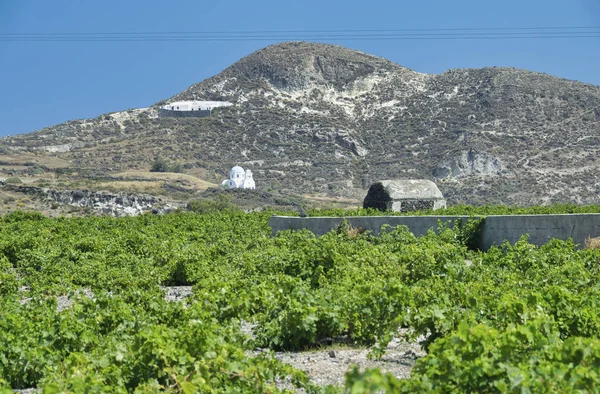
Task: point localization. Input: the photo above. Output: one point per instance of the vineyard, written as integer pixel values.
(518, 318)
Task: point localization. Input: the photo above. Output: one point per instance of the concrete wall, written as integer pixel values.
(496, 229)
(541, 228)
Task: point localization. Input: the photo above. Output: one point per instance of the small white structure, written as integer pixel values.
(191, 108)
(239, 179)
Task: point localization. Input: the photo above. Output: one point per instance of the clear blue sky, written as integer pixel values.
(44, 83)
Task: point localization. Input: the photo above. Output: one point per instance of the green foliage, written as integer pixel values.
(18, 216)
(515, 318)
(8, 278)
(220, 203)
(160, 164)
(130, 342)
(466, 210)
(64, 171)
(371, 381)
(13, 180)
(528, 357)
(469, 232)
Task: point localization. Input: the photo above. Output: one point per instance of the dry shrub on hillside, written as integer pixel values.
(592, 243)
(348, 230)
(355, 231)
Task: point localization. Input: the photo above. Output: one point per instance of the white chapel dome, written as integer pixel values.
(237, 170)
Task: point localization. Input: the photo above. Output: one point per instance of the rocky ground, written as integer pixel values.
(328, 366)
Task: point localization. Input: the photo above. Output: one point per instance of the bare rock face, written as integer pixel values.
(404, 196)
(346, 141)
(323, 119)
(113, 204)
(469, 163)
(296, 66)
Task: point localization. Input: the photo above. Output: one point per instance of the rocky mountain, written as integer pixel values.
(323, 119)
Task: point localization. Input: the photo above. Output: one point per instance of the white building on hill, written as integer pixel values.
(239, 179)
(191, 108)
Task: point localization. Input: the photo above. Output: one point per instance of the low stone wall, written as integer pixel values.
(495, 229)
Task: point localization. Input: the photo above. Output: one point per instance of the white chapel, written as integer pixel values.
(239, 179)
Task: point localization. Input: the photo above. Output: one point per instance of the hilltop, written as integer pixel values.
(323, 120)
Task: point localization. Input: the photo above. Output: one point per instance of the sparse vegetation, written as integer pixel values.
(161, 164)
(221, 203)
(13, 180)
(347, 230)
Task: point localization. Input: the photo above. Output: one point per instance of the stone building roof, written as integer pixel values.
(411, 189)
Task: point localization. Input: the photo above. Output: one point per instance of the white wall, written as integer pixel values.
(195, 105)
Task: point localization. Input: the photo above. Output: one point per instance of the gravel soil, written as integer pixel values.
(329, 366)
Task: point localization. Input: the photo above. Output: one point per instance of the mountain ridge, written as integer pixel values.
(325, 119)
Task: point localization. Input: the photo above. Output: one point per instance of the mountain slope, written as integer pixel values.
(318, 118)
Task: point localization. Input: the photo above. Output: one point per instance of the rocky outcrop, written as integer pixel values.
(344, 140)
(113, 204)
(119, 204)
(469, 163)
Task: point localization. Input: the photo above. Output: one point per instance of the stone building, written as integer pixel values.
(404, 195)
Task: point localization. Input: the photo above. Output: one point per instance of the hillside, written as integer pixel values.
(325, 120)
